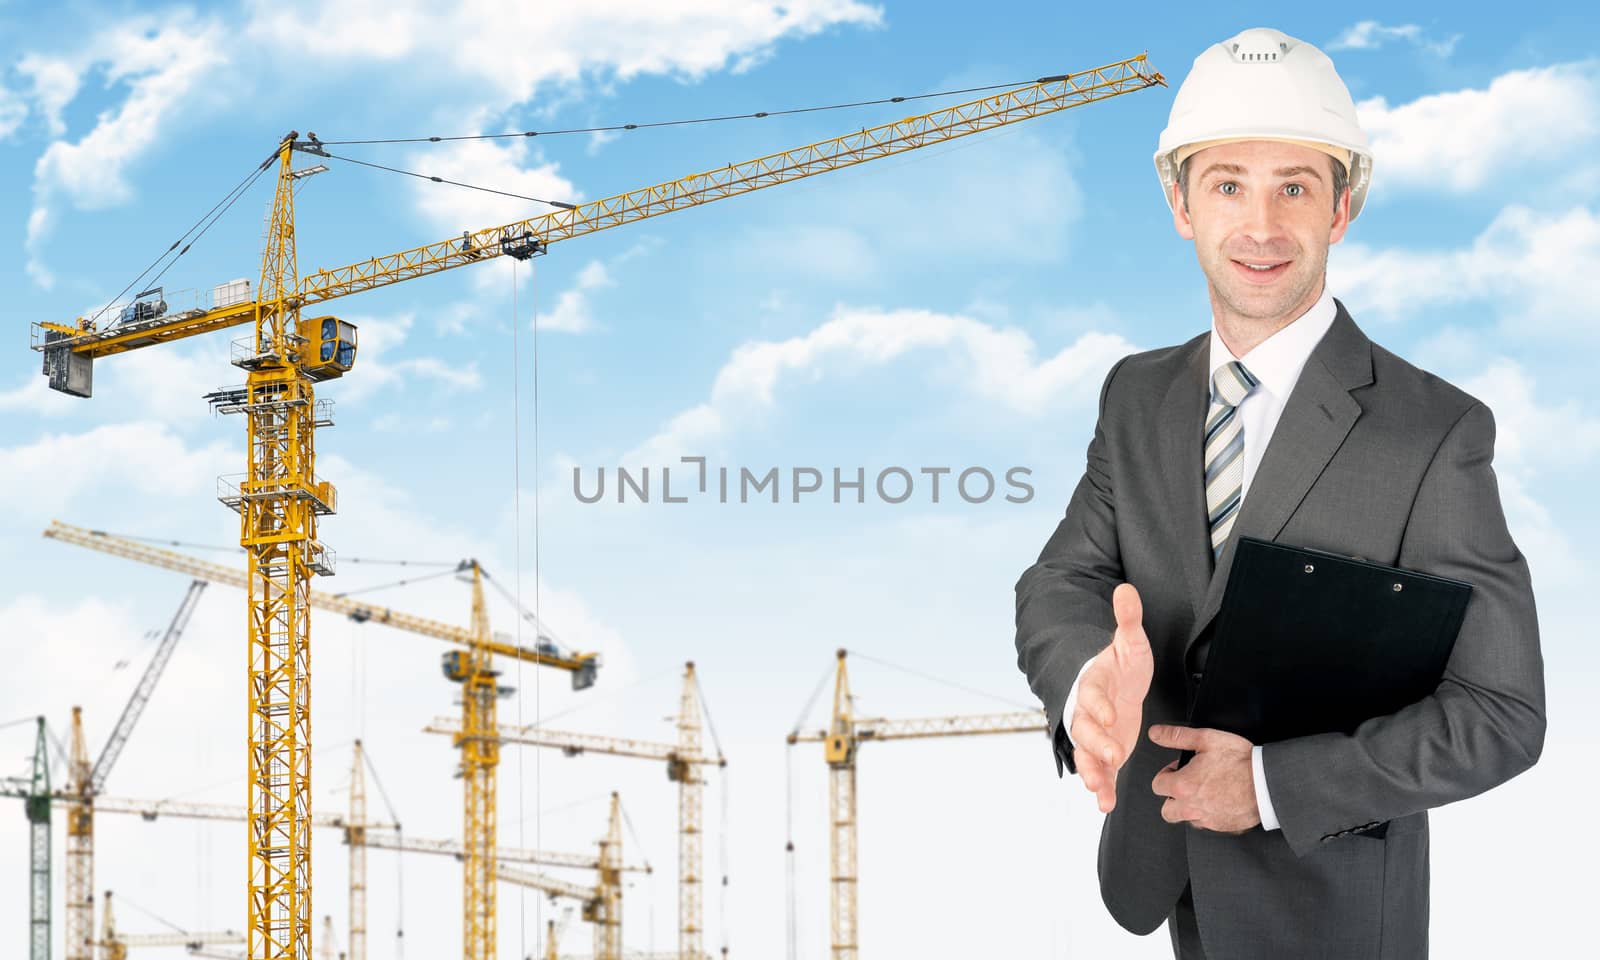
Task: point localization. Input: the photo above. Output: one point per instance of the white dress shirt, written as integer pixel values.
(1276, 362)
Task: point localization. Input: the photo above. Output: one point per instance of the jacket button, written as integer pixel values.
(1195, 677)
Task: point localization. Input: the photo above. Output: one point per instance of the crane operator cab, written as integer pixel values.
(330, 347)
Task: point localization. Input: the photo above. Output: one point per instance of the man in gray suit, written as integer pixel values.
(1283, 422)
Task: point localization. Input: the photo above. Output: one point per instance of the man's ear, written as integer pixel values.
(1341, 218)
(1180, 216)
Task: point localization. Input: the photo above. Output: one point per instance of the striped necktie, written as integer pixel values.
(1224, 446)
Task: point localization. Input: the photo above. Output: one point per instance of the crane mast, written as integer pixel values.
(845, 733)
(355, 837)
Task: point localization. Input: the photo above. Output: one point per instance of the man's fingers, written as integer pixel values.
(1099, 779)
(1090, 770)
(1106, 796)
(1093, 701)
(1171, 783)
(1174, 812)
(1089, 736)
(1179, 738)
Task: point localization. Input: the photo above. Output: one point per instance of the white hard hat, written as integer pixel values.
(1265, 85)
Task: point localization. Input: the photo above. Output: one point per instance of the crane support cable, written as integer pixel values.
(215, 213)
(454, 183)
(757, 115)
(396, 583)
(811, 701)
(705, 708)
(948, 683)
(528, 615)
(531, 236)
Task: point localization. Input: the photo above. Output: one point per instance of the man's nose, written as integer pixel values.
(1261, 223)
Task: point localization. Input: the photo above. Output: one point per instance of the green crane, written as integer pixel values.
(35, 793)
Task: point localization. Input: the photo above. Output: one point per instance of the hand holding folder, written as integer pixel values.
(1310, 642)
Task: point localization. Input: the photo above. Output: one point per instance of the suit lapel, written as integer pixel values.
(1182, 421)
(1315, 421)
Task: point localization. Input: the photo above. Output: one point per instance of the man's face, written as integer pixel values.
(1261, 214)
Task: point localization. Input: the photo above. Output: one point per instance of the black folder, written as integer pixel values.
(1308, 641)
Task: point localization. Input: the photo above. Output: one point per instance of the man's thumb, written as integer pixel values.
(1126, 605)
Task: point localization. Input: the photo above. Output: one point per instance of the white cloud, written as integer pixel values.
(1370, 35)
(493, 56)
(997, 364)
(35, 396)
(377, 368)
(1531, 438)
(486, 163)
(162, 66)
(571, 312)
(54, 83)
(599, 139)
(144, 457)
(1524, 428)
(1462, 139)
(1535, 268)
(507, 51)
(13, 110)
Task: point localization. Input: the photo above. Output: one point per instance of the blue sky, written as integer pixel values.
(954, 307)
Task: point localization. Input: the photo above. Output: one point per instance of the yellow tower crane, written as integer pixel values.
(280, 498)
(601, 903)
(472, 668)
(845, 733)
(684, 761)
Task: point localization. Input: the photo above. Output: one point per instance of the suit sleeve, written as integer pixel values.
(1064, 612)
(1485, 722)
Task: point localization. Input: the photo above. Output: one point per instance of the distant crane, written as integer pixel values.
(472, 668)
(280, 499)
(329, 949)
(553, 932)
(359, 834)
(114, 944)
(35, 793)
(87, 783)
(602, 903)
(845, 733)
(684, 761)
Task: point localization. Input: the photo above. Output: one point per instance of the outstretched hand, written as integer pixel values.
(1105, 723)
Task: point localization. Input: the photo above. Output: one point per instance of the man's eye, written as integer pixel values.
(1294, 189)
(1228, 188)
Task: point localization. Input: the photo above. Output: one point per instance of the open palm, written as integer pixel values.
(1110, 708)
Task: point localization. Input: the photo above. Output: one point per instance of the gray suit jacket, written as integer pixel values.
(1371, 457)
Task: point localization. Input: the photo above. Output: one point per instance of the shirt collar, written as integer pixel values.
(1278, 360)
